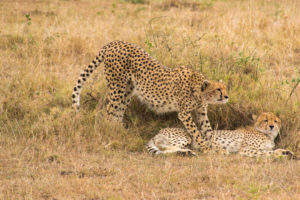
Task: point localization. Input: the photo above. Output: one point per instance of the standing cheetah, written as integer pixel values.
(254, 141)
(129, 71)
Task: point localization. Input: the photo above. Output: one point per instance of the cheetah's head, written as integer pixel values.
(214, 92)
(267, 123)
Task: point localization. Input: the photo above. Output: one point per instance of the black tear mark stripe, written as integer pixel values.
(83, 78)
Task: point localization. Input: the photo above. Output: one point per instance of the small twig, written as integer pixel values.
(150, 24)
(91, 99)
(293, 90)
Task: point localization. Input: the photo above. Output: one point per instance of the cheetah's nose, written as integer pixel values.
(226, 97)
(271, 127)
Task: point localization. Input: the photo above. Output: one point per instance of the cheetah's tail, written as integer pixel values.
(83, 78)
(152, 148)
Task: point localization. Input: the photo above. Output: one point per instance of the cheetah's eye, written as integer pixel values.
(265, 120)
(219, 89)
(275, 121)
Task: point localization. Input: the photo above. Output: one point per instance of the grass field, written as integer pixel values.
(48, 152)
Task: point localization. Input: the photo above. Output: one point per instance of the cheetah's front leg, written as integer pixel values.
(282, 153)
(186, 118)
(203, 123)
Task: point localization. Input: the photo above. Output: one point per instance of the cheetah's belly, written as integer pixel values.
(232, 146)
(159, 104)
(165, 108)
(229, 140)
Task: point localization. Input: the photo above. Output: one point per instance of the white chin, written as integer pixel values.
(272, 132)
(223, 101)
(216, 101)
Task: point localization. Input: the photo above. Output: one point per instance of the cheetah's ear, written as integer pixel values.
(205, 84)
(254, 117)
(220, 81)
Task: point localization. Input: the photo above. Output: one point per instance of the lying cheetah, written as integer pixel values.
(254, 141)
(129, 71)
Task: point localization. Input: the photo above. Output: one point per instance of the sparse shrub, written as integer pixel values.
(28, 18)
(136, 1)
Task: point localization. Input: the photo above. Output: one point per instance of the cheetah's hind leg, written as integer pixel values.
(120, 95)
(161, 146)
(186, 152)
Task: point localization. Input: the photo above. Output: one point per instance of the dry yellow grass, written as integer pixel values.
(46, 152)
(77, 169)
